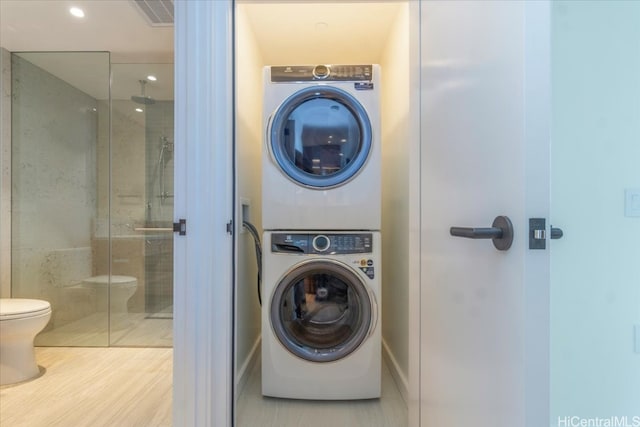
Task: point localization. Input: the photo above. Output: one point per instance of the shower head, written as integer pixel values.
(142, 99)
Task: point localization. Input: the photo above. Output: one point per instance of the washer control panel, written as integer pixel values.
(307, 73)
(328, 243)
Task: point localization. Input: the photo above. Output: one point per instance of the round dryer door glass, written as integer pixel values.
(321, 137)
(321, 311)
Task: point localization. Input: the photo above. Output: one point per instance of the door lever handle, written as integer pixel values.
(500, 232)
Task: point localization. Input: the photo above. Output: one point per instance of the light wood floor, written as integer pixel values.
(114, 387)
(131, 387)
(254, 410)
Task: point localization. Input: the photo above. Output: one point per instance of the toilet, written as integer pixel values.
(20, 321)
(122, 288)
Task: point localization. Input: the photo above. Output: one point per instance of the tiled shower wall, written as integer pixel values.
(54, 195)
(5, 173)
(159, 196)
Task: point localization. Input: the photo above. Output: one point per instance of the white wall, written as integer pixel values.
(595, 289)
(396, 152)
(249, 189)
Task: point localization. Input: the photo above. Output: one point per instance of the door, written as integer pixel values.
(530, 110)
(140, 205)
(483, 310)
(203, 183)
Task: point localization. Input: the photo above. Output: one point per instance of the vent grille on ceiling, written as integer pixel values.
(159, 13)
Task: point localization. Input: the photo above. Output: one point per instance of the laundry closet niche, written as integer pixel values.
(290, 33)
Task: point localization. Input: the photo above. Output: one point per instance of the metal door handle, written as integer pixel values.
(501, 232)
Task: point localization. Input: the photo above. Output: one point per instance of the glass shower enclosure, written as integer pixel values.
(92, 196)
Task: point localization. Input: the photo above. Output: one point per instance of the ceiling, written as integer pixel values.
(62, 41)
(117, 26)
(333, 32)
(327, 32)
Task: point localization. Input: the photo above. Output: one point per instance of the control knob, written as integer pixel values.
(321, 71)
(321, 243)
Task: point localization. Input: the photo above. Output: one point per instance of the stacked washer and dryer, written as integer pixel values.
(321, 208)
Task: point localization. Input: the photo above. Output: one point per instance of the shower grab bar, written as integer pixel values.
(153, 229)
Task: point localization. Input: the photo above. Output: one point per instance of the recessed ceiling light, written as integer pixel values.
(77, 12)
(152, 78)
(139, 110)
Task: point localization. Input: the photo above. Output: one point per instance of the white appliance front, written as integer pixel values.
(321, 326)
(321, 151)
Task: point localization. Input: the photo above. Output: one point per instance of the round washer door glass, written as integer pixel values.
(321, 137)
(321, 311)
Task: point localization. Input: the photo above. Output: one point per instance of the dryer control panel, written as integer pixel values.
(307, 73)
(329, 244)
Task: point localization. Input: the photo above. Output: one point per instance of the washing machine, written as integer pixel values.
(321, 151)
(321, 324)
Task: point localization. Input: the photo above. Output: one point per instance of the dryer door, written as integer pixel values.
(322, 311)
(320, 137)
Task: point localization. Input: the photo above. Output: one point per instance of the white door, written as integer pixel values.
(483, 90)
(203, 258)
(530, 110)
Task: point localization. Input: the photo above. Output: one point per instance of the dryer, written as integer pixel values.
(321, 151)
(321, 324)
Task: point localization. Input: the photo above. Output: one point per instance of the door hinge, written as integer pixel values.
(230, 227)
(180, 227)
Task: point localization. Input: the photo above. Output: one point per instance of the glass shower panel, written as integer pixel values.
(142, 205)
(60, 145)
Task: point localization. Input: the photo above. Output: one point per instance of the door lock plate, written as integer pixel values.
(537, 233)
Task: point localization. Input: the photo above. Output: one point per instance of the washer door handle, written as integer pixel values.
(500, 232)
(279, 247)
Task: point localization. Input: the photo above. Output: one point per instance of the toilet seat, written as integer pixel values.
(21, 308)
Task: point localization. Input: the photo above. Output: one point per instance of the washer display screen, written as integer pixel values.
(321, 311)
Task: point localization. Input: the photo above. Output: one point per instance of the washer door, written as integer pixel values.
(321, 311)
(320, 137)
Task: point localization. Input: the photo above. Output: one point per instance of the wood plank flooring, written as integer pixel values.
(131, 387)
(254, 410)
(115, 387)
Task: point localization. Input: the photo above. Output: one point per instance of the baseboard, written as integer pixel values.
(247, 366)
(399, 378)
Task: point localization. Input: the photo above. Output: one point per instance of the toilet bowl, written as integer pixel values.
(122, 288)
(20, 321)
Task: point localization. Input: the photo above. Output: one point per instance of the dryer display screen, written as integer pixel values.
(306, 73)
